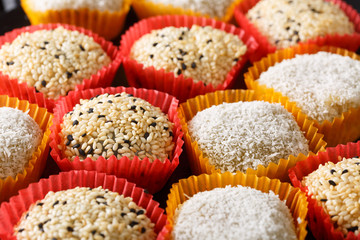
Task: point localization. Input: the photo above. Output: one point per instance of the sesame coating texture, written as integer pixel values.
(100, 5)
(213, 8)
(231, 212)
(324, 85)
(201, 53)
(287, 22)
(52, 61)
(20, 136)
(241, 135)
(85, 213)
(120, 125)
(336, 187)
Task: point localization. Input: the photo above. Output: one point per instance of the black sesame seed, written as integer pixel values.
(277, 41)
(296, 33)
(10, 63)
(90, 110)
(353, 229)
(55, 203)
(80, 113)
(100, 196)
(235, 59)
(178, 72)
(143, 230)
(146, 135)
(68, 143)
(76, 70)
(90, 150)
(287, 28)
(323, 200)
(297, 40)
(180, 59)
(118, 95)
(142, 109)
(183, 66)
(21, 229)
(82, 153)
(166, 128)
(47, 221)
(184, 53)
(123, 214)
(70, 137)
(56, 56)
(171, 134)
(68, 74)
(93, 232)
(41, 225)
(132, 210)
(332, 183)
(332, 171)
(83, 135)
(357, 163)
(201, 56)
(154, 117)
(27, 215)
(40, 204)
(64, 202)
(99, 102)
(180, 38)
(130, 95)
(133, 223)
(70, 229)
(153, 124)
(54, 238)
(42, 48)
(345, 171)
(154, 44)
(356, 157)
(102, 235)
(109, 101)
(315, 11)
(181, 51)
(101, 116)
(127, 141)
(140, 212)
(81, 47)
(46, 42)
(209, 41)
(151, 56)
(133, 107)
(193, 65)
(76, 145)
(76, 122)
(133, 121)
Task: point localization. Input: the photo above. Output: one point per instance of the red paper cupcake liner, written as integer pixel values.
(149, 175)
(319, 221)
(347, 41)
(102, 78)
(11, 212)
(180, 87)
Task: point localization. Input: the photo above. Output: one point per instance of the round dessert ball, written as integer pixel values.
(85, 213)
(202, 53)
(287, 22)
(101, 5)
(213, 8)
(20, 136)
(52, 61)
(241, 135)
(233, 213)
(336, 187)
(324, 85)
(120, 125)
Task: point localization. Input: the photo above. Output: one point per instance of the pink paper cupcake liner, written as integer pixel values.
(149, 175)
(180, 87)
(102, 78)
(347, 41)
(320, 223)
(11, 212)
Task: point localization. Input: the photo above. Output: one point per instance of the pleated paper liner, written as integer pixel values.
(106, 24)
(320, 223)
(186, 188)
(147, 8)
(32, 171)
(200, 164)
(149, 175)
(343, 129)
(347, 41)
(101, 78)
(180, 87)
(11, 212)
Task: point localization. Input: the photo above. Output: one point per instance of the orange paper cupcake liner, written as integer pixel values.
(343, 129)
(200, 164)
(102, 78)
(347, 41)
(149, 175)
(180, 192)
(32, 171)
(106, 24)
(11, 212)
(180, 87)
(320, 223)
(147, 8)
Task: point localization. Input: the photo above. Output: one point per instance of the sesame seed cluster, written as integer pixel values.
(85, 213)
(336, 187)
(120, 125)
(213, 8)
(241, 135)
(52, 61)
(101, 5)
(287, 22)
(201, 53)
(20, 136)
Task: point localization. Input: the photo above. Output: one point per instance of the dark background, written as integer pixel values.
(12, 16)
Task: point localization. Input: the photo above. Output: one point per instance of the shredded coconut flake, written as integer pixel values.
(234, 212)
(237, 136)
(324, 85)
(101, 5)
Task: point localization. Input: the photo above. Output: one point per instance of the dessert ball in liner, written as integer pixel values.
(146, 173)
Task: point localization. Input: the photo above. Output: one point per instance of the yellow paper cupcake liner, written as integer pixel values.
(31, 173)
(105, 23)
(341, 130)
(294, 198)
(200, 164)
(146, 8)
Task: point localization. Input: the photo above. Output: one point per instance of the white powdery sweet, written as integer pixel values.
(241, 135)
(234, 213)
(324, 85)
(101, 5)
(20, 136)
(213, 8)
